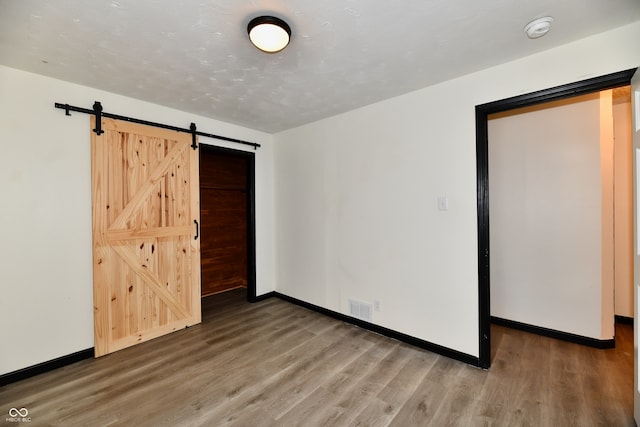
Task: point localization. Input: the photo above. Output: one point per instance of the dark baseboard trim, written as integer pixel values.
(43, 367)
(263, 297)
(624, 320)
(417, 342)
(552, 333)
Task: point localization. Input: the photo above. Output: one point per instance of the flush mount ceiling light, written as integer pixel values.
(269, 34)
(538, 27)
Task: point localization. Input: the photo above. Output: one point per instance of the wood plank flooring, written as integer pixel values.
(277, 364)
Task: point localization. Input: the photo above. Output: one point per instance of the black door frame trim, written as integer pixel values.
(251, 212)
(582, 87)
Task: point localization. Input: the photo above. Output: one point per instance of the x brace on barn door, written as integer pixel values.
(97, 111)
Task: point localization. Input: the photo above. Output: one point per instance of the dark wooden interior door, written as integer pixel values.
(223, 210)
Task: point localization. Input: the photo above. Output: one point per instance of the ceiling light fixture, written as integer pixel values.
(538, 27)
(269, 34)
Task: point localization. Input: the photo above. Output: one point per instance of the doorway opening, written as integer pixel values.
(561, 224)
(584, 87)
(227, 212)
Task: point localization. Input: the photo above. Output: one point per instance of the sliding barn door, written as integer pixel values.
(146, 254)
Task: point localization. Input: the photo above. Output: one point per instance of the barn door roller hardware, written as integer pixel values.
(97, 111)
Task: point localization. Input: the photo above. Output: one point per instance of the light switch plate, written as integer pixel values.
(443, 203)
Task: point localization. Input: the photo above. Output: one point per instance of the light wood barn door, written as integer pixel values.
(146, 258)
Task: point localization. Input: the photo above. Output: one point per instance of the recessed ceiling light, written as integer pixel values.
(269, 34)
(538, 27)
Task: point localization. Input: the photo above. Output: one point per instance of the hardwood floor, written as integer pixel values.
(277, 364)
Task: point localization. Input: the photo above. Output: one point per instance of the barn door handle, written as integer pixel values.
(195, 221)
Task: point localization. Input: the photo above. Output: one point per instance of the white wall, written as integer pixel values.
(357, 194)
(623, 209)
(551, 192)
(45, 216)
(607, 255)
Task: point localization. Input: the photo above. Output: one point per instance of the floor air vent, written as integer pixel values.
(361, 310)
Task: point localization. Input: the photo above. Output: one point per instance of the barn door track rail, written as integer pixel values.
(97, 111)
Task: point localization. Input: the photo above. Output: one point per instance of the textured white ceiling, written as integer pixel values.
(195, 55)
